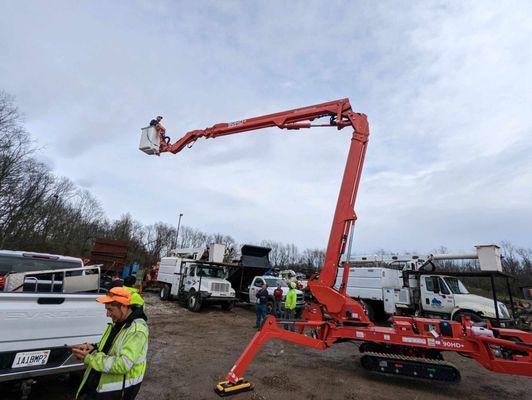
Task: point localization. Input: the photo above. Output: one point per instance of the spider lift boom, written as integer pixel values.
(411, 346)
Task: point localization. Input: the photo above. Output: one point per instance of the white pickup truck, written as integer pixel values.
(42, 311)
(272, 282)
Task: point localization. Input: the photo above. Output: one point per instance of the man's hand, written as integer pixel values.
(80, 351)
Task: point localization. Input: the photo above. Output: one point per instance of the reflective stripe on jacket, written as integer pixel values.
(124, 365)
(291, 300)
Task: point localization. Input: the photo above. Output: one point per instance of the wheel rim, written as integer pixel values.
(163, 293)
(192, 301)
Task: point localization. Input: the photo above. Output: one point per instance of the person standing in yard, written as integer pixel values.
(136, 298)
(115, 368)
(262, 301)
(277, 301)
(290, 306)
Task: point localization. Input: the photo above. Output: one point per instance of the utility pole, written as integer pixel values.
(177, 233)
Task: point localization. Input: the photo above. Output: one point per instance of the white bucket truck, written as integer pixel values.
(408, 285)
(195, 279)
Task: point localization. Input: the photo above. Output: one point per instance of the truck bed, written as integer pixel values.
(368, 283)
(46, 321)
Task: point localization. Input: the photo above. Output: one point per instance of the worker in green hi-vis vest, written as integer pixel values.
(117, 364)
(136, 298)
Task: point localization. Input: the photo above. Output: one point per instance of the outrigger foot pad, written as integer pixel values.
(226, 388)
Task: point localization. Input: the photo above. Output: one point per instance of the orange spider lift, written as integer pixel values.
(410, 346)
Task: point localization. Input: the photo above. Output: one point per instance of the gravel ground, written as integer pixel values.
(190, 352)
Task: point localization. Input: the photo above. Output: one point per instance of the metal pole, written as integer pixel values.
(177, 233)
(495, 301)
(351, 235)
(511, 297)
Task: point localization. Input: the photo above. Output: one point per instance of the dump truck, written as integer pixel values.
(253, 271)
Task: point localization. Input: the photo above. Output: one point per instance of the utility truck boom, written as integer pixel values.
(411, 346)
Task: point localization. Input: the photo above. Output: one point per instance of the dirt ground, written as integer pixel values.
(190, 352)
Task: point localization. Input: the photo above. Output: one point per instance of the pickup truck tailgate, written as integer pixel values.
(35, 320)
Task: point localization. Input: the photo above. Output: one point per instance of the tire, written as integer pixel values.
(164, 293)
(474, 316)
(193, 301)
(228, 305)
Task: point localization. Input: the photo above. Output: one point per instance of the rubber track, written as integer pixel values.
(417, 360)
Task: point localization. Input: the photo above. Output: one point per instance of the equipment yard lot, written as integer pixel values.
(190, 352)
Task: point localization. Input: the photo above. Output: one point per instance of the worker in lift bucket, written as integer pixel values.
(161, 130)
(262, 301)
(116, 366)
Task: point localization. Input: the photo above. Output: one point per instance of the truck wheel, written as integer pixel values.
(193, 301)
(228, 305)
(474, 316)
(164, 294)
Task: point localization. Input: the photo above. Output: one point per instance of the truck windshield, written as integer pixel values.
(210, 271)
(274, 282)
(456, 286)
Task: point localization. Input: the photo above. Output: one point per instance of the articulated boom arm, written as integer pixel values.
(339, 111)
(341, 115)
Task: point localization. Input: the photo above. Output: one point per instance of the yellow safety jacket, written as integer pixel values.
(123, 367)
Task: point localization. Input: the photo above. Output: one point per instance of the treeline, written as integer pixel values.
(516, 262)
(288, 256)
(45, 213)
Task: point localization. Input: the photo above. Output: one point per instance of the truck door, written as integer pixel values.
(436, 296)
(190, 278)
(256, 285)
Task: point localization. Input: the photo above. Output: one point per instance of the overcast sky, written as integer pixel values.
(447, 88)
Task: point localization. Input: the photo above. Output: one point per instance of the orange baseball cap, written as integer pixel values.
(118, 294)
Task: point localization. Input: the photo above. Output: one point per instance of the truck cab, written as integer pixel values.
(272, 282)
(447, 296)
(194, 283)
